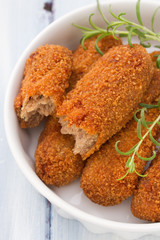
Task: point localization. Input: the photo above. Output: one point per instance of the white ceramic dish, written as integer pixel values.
(70, 200)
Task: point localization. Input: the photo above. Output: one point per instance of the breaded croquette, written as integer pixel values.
(55, 162)
(153, 90)
(152, 93)
(105, 98)
(84, 60)
(100, 176)
(146, 199)
(46, 76)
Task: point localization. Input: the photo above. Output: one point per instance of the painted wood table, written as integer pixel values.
(24, 213)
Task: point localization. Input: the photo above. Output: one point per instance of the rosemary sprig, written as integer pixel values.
(134, 151)
(143, 33)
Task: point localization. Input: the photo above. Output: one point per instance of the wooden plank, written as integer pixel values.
(24, 212)
(61, 228)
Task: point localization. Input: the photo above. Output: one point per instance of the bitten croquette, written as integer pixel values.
(104, 100)
(55, 162)
(46, 76)
(111, 159)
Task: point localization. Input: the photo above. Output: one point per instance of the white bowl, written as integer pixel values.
(70, 200)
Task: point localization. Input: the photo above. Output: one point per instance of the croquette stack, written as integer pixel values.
(89, 101)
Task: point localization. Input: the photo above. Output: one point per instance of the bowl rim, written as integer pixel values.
(30, 174)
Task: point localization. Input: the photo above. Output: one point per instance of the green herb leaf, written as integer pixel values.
(153, 140)
(102, 15)
(158, 61)
(158, 123)
(112, 12)
(87, 36)
(117, 24)
(157, 46)
(130, 36)
(140, 175)
(119, 179)
(128, 162)
(81, 27)
(93, 25)
(139, 129)
(96, 43)
(132, 168)
(135, 115)
(144, 123)
(140, 34)
(113, 28)
(124, 153)
(153, 18)
(148, 106)
(145, 45)
(138, 12)
(159, 103)
(121, 14)
(146, 159)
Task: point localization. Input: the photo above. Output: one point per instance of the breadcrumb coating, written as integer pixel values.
(99, 178)
(84, 60)
(153, 90)
(46, 76)
(55, 162)
(146, 199)
(112, 197)
(103, 100)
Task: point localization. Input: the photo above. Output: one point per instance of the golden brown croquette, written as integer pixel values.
(105, 98)
(84, 60)
(46, 76)
(55, 162)
(100, 176)
(153, 90)
(146, 199)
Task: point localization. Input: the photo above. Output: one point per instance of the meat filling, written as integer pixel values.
(44, 106)
(83, 140)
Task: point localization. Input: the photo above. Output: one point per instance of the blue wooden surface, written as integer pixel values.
(24, 213)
